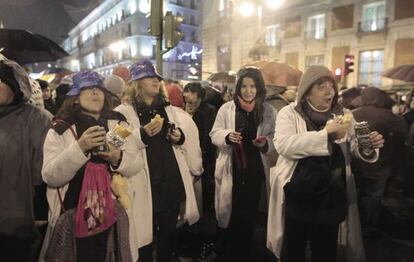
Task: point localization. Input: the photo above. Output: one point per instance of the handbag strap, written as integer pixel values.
(62, 207)
(59, 121)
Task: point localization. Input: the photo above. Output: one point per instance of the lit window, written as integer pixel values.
(314, 60)
(373, 17)
(271, 35)
(316, 27)
(371, 65)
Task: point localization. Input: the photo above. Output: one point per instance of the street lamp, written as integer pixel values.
(117, 46)
(246, 9)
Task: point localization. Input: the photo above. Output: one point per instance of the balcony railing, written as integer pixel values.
(316, 34)
(373, 25)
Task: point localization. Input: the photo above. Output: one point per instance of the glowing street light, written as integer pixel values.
(246, 9)
(274, 4)
(117, 46)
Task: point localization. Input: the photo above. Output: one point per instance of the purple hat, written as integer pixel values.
(143, 69)
(85, 79)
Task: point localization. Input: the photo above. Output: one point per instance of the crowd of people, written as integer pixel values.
(115, 164)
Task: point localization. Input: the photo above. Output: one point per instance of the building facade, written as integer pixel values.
(379, 33)
(116, 33)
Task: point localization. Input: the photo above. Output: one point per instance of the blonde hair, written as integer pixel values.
(134, 89)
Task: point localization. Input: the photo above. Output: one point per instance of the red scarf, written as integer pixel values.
(246, 106)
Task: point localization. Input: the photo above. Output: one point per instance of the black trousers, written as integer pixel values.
(323, 241)
(17, 249)
(235, 242)
(93, 248)
(165, 235)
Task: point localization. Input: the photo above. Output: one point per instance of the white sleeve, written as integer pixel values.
(132, 161)
(219, 131)
(293, 145)
(61, 161)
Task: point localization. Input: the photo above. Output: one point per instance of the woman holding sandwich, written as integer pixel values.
(172, 155)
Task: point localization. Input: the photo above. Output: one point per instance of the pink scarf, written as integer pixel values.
(246, 106)
(96, 208)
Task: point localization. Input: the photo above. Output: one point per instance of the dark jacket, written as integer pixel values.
(375, 110)
(204, 119)
(23, 129)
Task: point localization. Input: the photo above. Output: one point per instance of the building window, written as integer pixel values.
(179, 73)
(373, 17)
(314, 60)
(370, 67)
(225, 8)
(271, 35)
(316, 27)
(192, 20)
(193, 37)
(342, 17)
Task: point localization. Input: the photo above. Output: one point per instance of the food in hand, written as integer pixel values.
(341, 119)
(122, 131)
(346, 118)
(158, 118)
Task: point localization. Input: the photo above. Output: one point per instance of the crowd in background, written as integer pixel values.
(194, 150)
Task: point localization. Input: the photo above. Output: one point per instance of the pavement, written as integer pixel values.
(393, 242)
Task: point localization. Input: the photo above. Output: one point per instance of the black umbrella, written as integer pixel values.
(26, 47)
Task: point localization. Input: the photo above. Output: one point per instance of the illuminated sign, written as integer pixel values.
(193, 54)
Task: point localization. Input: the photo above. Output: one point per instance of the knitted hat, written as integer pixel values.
(311, 75)
(115, 85)
(122, 72)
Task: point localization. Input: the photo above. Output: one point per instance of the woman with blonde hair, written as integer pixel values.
(171, 152)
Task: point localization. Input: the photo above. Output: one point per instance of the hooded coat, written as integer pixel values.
(23, 128)
(294, 142)
(377, 112)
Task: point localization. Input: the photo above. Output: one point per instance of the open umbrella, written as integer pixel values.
(278, 74)
(402, 72)
(222, 77)
(26, 47)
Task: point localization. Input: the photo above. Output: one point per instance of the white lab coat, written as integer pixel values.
(62, 158)
(223, 125)
(293, 142)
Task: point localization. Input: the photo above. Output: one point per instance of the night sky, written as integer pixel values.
(51, 18)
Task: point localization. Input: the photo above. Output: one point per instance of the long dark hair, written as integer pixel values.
(255, 74)
(71, 105)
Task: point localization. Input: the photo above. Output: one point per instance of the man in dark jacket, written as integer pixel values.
(23, 128)
(372, 177)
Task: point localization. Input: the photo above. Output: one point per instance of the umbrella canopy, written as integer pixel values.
(222, 77)
(403, 72)
(278, 74)
(26, 47)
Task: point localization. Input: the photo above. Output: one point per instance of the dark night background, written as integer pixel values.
(51, 18)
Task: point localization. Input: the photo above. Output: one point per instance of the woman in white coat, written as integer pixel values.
(243, 132)
(74, 159)
(172, 156)
(312, 187)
